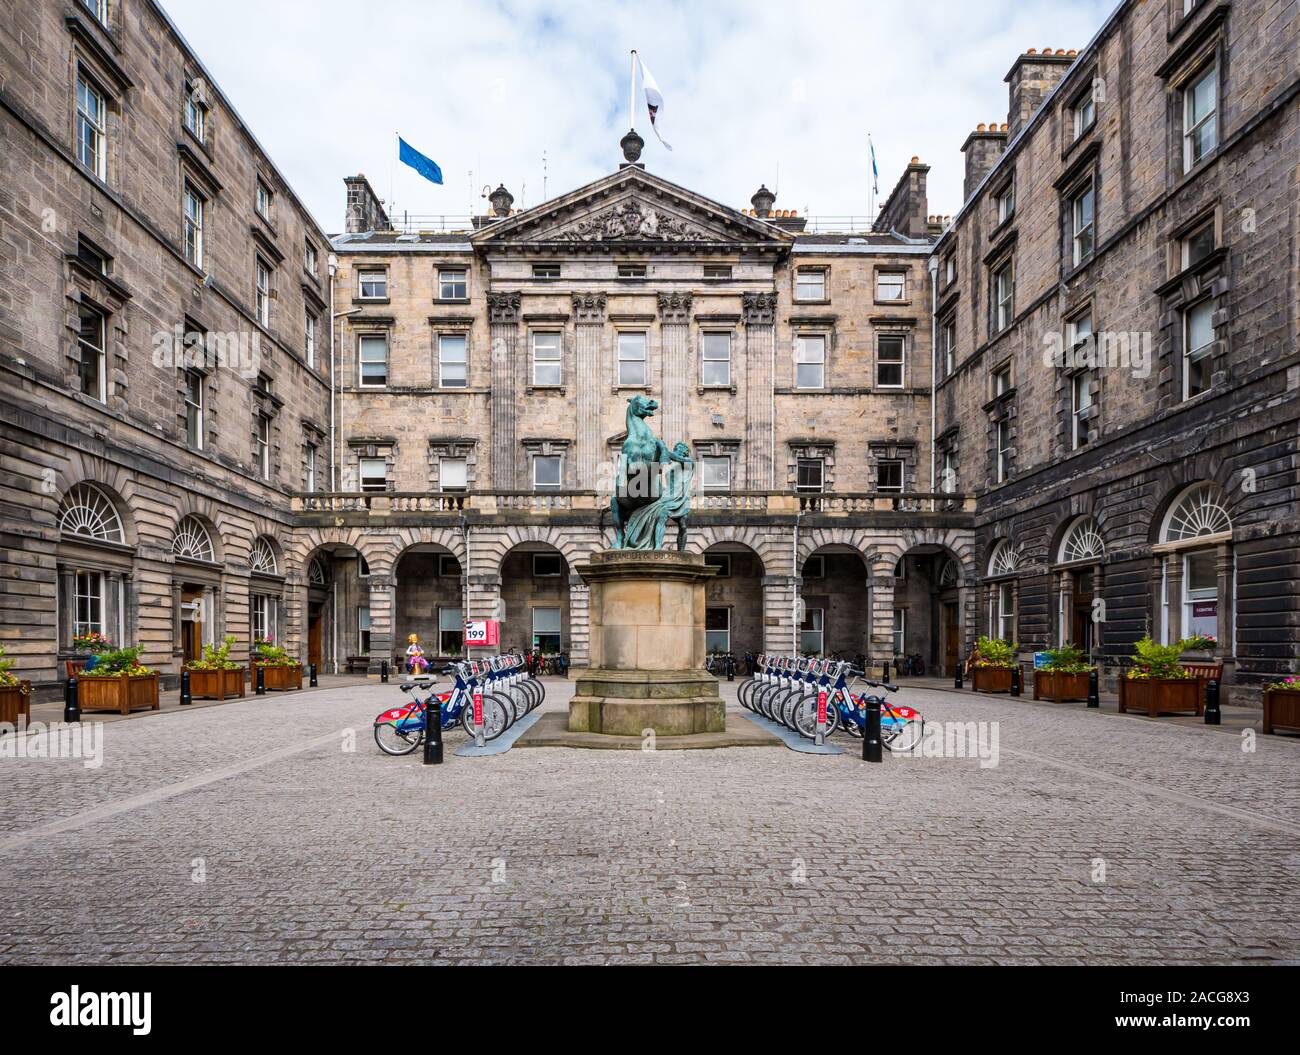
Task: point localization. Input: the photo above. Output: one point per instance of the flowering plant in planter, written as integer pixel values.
(121, 661)
(91, 642)
(7, 680)
(1291, 683)
(270, 654)
(1199, 643)
(994, 652)
(1067, 659)
(216, 657)
(1153, 662)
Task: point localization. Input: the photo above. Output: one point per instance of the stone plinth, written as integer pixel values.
(647, 647)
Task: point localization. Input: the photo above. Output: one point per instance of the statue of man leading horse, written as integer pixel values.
(653, 484)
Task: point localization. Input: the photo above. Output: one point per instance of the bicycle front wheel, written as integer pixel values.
(395, 740)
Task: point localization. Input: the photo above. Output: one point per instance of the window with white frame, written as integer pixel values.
(1200, 116)
(900, 631)
(1198, 344)
(372, 284)
(889, 475)
(453, 474)
(1197, 244)
(451, 631)
(810, 475)
(263, 199)
(547, 367)
(88, 603)
(948, 345)
(92, 127)
(372, 360)
(810, 284)
(717, 630)
(812, 631)
(363, 629)
(547, 472)
(1200, 594)
(1002, 379)
(810, 361)
(1078, 330)
(547, 270)
(717, 272)
(265, 616)
(194, 408)
(195, 113)
(1082, 223)
(373, 474)
(546, 629)
(194, 204)
(631, 270)
(715, 472)
(948, 472)
(1083, 113)
(889, 362)
(950, 269)
(891, 285)
(309, 458)
(1005, 203)
(1081, 402)
(452, 284)
(453, 360)
(1004, 450)
(262, 292)
(1006, 611)
(716, 369)
(631, 359)
(1004, 296)
(92, 373)
(309, 256)
(263, 452)
(98, 8)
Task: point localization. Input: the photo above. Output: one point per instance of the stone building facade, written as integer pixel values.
(1117, 320)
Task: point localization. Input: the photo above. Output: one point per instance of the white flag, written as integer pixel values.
(654, 100)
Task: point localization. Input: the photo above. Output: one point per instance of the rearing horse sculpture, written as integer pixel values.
(653, 484)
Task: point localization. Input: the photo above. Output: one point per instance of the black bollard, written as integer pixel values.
(433, 732)
(1094, 695)
(186, 698)
(383, 672)
(1212, 715)
(1015, 680)
(731, 667)
(259, 682)
(957, 682)
(71, 708)
(884, 671)
(871, 747)
(312, 671)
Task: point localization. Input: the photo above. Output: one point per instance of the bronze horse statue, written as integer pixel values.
(653, 484)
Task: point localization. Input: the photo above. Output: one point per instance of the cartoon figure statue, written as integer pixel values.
(415, 661)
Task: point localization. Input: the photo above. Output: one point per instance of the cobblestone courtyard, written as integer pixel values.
(273, 831)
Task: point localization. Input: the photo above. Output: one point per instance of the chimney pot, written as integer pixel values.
(762, 202)
(501, 200)
(980, 127)
(915, 159)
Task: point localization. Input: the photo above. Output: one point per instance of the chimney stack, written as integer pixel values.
(365, 213)
(762, 202)
(1032, 78)
(906, 210)
(982, 148)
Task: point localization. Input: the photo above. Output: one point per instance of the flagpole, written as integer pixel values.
(631, 92)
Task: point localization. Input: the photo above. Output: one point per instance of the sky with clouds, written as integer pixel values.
(755, 91)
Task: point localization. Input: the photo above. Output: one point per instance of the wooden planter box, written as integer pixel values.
(991, 679)
(1281, 708)
(1049, 685)
(118, 693)
(217, 684)
(280, 678)
(1156, 697)
(16, 701)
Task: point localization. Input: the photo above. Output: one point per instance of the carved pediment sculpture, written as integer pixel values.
(632, 221)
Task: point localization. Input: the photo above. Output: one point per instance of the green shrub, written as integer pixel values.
(7, 680)
(120, 661)
(994, 652)
(216, 657)
(1157, 662)
(1067, 659)
(273, 655)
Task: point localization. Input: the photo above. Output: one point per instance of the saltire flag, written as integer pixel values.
(875, 176)
(426, 167)
(654, 99)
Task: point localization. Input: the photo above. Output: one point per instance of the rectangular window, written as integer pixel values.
(1004, 450)
(1197, 244)
(92, 257)
(715, 473)
(1200, 117)
(547, 369)
(547, 565)
(815, 567)
(717, 272)
(372, 355)
(263, 452)
(373, 473)
(98, 8)
(1005, 202)
(372, 285)
(453, 360)
(546, 472)
(309, 338)
(1084, 113)
(258, 615)
(716, 370)
(811, 631)
(810, 361)
(1198, 342)
(453, 474)
(452, 284)
(810, 475)
(262, 294)
(310, 459)
(546, 630)
(1078, 330)
(1081, 387)
(889, 475)
(195, 114)
(194, 409)
(950, 269)
(92, 373)
(88, 603)
(448, 566)
(948, 477)
(891, 285)
(810, 284)
(363, 630)
(721, 561)
(1200, 594)
(717, 630)
(1082, 210)
(900, 631)
(264, 198)
(194, 204)
(948, 345)
(631, 359)
(309, 256)
(1004, 296)
(631, 270)
(1006, 628)
(1002, 380)
(889, 362)
(451, 631)
(92, 128)
(549, 270)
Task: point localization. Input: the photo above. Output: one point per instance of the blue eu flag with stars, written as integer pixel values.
(427, 168)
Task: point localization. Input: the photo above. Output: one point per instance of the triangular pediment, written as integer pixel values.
(632, 208)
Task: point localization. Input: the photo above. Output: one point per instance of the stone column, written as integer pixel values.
(1174, 591)
(881, 641)
(579, 622)
(381, 621)
(779, 630)
(503, 319)
(760, 370)
(589, 328)
(675, 333)
(485, 603)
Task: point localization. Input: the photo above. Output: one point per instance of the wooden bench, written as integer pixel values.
(1205, 672)
(358, 661)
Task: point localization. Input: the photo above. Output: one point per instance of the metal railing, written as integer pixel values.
(463, 223)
